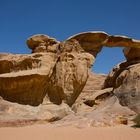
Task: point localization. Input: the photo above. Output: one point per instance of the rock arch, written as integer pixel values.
(93, 42)
(56, 70)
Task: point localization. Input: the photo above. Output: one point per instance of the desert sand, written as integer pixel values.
(43, 132)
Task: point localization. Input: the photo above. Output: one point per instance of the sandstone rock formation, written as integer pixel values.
(24, 78)
(106, 114)
(42, 43)
(94, 84)
(93, 42)
(56, 70)
(125, 81)
(128, 90)
(124, 78)
(70, 74)
(55, 74)
(13, 114)
(132, 53)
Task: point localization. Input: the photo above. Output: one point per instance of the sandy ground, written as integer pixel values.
(43, 132)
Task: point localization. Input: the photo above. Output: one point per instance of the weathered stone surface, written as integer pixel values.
(110, 81)
(106, 114)
(60, 73)
(56, 73)
(90, 102)
(13, 114)
(59, 76)
(125, 80)
(98, 96)
(94, 83)
(24, 78)
(132, 54)
(128, 90)
(93, 42)
(41, 43)
(122, 41)
(13, 63)
(70, 74)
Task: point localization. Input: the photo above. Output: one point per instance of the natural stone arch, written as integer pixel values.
(93, 42)
(62, 67)
(74, 52)
(124, 78)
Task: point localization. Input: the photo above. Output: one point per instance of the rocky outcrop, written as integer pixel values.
(70, 74)
(56, 73)
(110, 80)
(93, 101)
(93, 42)
(98, 96)
(57, 70)
(42, 43)
(132, 54)
(125, 81)
(106, 114)
(94, 83)
(128, 90)
(13, 114)
(24, 78)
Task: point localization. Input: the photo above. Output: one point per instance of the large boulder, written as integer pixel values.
(24, 78)
(42, 43)
(57, 75)
(70, 73)
(110, 80)
(124, 79)
(128, 90)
